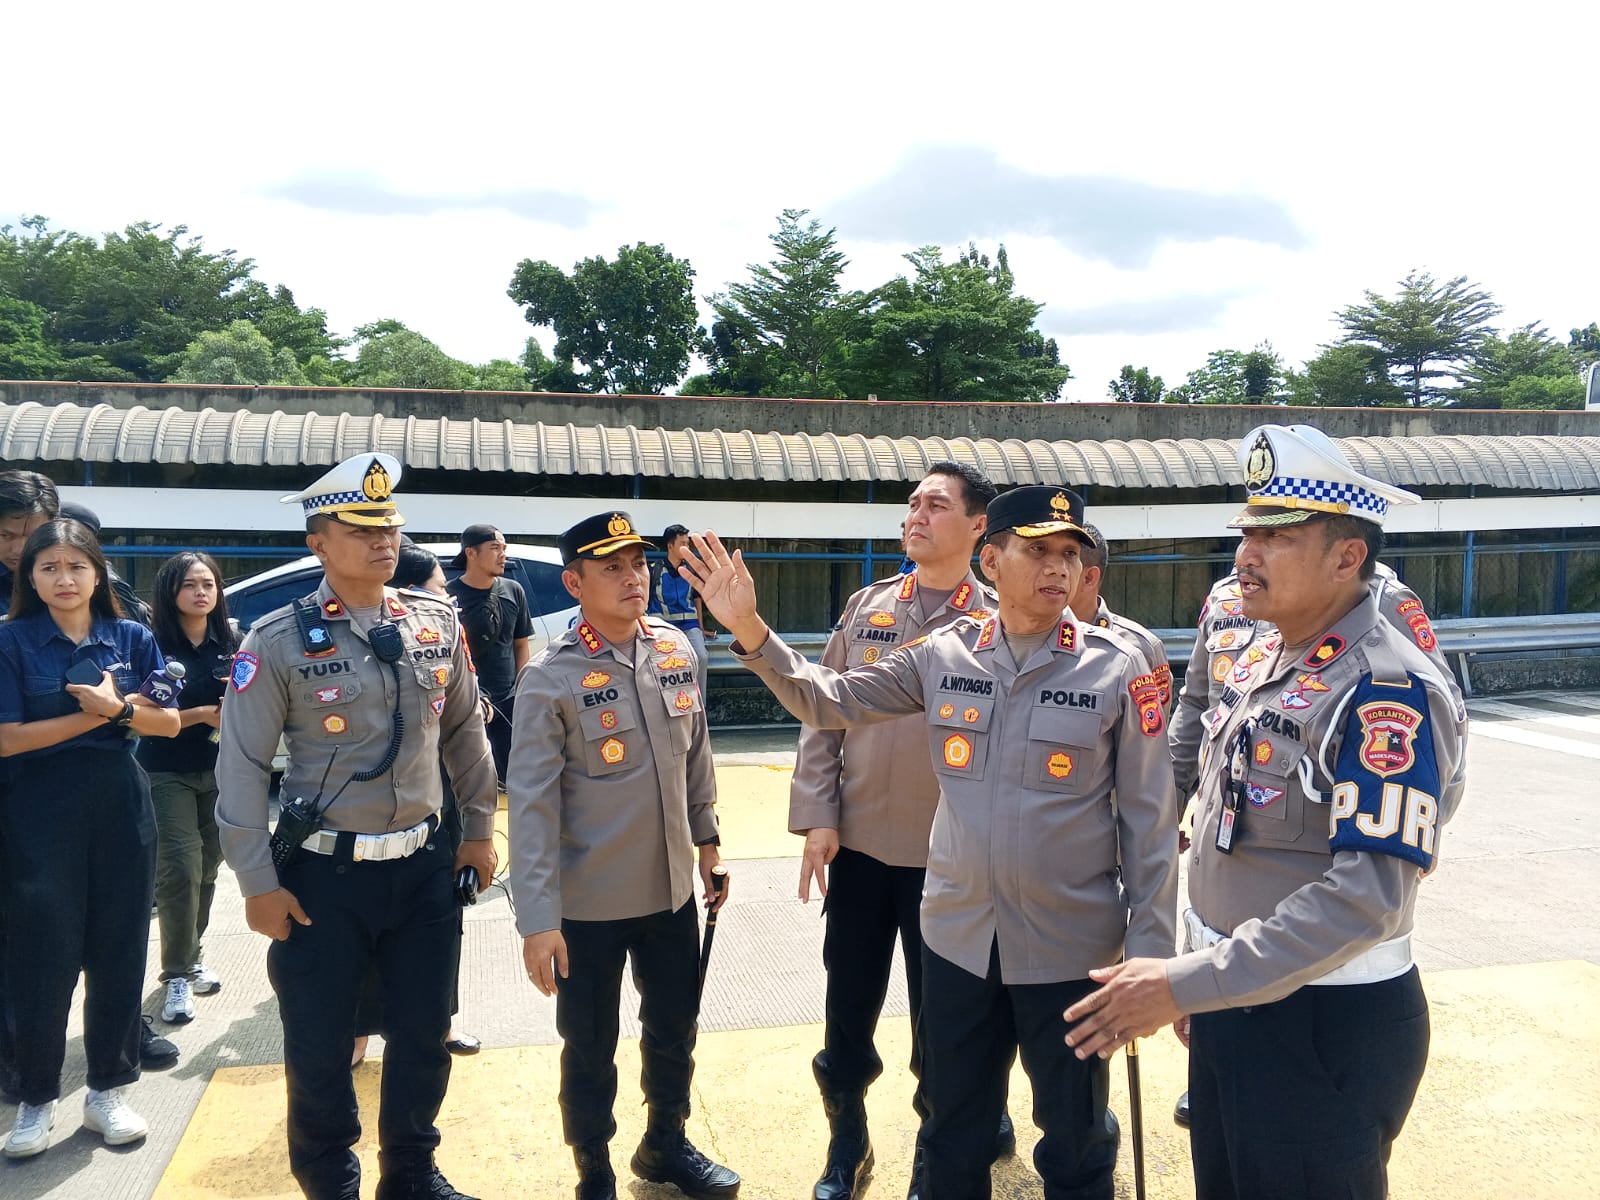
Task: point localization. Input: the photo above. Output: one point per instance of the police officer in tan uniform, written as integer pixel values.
(864, 800)
(1091, 608)
(368, 687)
(1033, 720)
(1327, 769)
(1227, 636)
(611, 789)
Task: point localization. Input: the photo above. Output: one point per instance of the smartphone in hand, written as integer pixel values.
(85, 672)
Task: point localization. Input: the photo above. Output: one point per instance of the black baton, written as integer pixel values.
(719, 883)
(1136, 1112)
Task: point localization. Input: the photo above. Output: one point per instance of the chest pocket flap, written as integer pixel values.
(1229, 639)
(1275, 801)
(1063, 748)
(959, 727)
(338, 691)
(607, 719)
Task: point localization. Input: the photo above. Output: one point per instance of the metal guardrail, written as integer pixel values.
(1459, 638)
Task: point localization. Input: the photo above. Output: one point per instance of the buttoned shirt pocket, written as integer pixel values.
(432, 677)
(1064, 750)
(333, 695)
(870, 640)
(681, 703)
(1229, 640)
(46, 696)
(612, 737)
(1274, 800)
(958, 726)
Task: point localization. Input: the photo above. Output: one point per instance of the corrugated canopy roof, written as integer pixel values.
(103, 433)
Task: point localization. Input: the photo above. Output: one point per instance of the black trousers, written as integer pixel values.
(400, 915)
(970, 1028)
(499, 731)
(1303, 1098)
(79, 839)
(869, 903)
(666, 971)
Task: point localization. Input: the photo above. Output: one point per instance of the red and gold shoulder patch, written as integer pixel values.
(908, 587)
(1146, 693)
(396, 609)
(1325, 651)
(589, 639)
(1416, 619)
(1067, 638)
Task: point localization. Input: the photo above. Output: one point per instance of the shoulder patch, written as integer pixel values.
(1146, 693)
(1386, 780)
(245, 666)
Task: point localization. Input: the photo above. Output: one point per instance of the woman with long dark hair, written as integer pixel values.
(79, 834)
(190, 620)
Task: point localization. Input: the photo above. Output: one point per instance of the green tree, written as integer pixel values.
(502, 375)
(1427, 334)
(1500, 364)
(1235, 377)
(734, 358)
(1345, 375)
(25, 351)
(301, 331)
(956, 331)
(628, 322)
(1137, 387)
(1585, 344)
(388, 355)
(792, 322)
(241, 353)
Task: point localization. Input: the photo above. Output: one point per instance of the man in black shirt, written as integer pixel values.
(494, 612)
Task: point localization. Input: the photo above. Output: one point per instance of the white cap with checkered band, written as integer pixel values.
(1294, 473)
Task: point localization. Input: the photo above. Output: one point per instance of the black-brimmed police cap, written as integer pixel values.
(1037, 510)
(598, 536)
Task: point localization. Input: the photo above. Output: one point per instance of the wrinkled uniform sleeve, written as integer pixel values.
(465, 747)
(701, 783)
(533, 787)
(1364, 898)
(815, 790)
(252, 722)
(1146, 831)
(821, 696)
(1187, 728)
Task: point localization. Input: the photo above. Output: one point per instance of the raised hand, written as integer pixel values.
(726, 587)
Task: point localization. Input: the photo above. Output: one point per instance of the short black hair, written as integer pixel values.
(975, 485)
(27, 494)
(1096, 551)
(413, 566)
(1337, 528)
(673, 531)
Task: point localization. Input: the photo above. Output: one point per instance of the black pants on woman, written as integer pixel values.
(79, 840)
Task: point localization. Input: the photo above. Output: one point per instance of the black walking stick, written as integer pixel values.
(719, 882)
(1136, 1112)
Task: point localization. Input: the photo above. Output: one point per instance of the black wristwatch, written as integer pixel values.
(125, 717)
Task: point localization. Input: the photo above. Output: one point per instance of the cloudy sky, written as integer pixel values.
(1168, 179)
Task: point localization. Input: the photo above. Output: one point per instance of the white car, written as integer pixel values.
(536, 568)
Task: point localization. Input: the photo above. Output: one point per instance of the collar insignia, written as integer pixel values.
(1067, 639)
(332, 607)
(1325, 651)
(589, 639)
(986, 636)
(396, 609)
(962, 596)
(908, 586)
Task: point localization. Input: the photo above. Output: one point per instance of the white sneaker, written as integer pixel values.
(179, 1008)
(31, 1134)
(109, 1115)
(203, 981)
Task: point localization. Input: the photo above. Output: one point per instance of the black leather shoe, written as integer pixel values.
(672, 1158)
(155, 1052)
(1005, 1138)
(419, 1185)
(596, 1179)
(1180, 1114)
(849, 1167)
(465, 1044)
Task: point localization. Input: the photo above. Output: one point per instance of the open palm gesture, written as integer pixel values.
(726, 587)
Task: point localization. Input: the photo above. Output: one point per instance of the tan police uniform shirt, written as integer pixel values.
(1227, 636)
(1026, 841)
(338, 705)
(1293, 908)
(610, 778)
(875, 784)
(1155, 654)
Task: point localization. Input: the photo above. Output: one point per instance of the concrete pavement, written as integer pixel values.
(1508, 935)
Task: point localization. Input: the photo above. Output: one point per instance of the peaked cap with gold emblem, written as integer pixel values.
(1037, 510)
(596, 537)
(356, 492)
(1295, 473)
